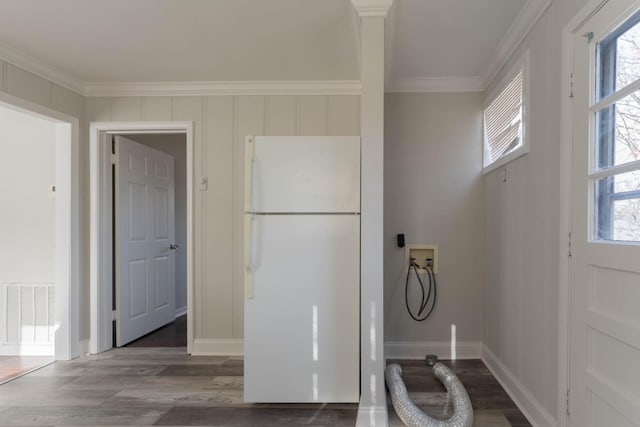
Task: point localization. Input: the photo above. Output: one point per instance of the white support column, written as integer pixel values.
(373, 407)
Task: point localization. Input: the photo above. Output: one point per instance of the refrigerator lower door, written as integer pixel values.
(302, 322)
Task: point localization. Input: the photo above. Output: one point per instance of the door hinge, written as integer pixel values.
(567, 402)
(571, 85)
(113, 150)
(570, 254)
(114, 316)
(588, 36)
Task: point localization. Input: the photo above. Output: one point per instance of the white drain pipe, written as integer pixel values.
(412, 416)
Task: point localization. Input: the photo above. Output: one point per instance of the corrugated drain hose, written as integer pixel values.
(412, 416)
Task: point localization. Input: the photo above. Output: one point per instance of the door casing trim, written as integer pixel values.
(100, 224)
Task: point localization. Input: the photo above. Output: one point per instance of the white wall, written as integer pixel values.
(20, 83)
(27, 230)
(522, 224)
(434, 195)
(175, 145)
(221, 124)
(27, 217)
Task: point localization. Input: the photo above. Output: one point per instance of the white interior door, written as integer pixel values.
(145, 224)
(605, 222)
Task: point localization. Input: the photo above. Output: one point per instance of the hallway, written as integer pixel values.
(172, 335)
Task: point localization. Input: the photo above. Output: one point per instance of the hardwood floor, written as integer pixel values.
(150, 386)
(13, 366)
(172, 335)
(491, 404)
(165, 386)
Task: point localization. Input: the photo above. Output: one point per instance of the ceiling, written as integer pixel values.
(448, 38)
(115, 41)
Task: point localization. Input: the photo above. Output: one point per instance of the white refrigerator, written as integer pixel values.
(302, 269)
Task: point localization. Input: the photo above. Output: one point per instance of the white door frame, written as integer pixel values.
(566, 149)
(67, 223)
(101, 224)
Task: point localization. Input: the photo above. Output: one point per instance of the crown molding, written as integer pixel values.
(57, 76)
(41, 69)
(436, 84)
(367, 8)
(338, 87)
(373, 11)
(521, 26)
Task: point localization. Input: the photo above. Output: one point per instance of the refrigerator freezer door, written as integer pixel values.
(304, 174)
(302, 325)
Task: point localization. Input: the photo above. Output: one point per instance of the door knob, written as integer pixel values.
(173, 247)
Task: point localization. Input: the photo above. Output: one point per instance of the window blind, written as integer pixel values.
(503, 121)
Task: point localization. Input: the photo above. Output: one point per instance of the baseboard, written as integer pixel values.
(372, 416)
(181, 311)
(27, 349)
(530, 407)
(418, 350)
(84, 347)
(217, 347)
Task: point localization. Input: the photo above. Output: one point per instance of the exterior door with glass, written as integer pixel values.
(605, 220)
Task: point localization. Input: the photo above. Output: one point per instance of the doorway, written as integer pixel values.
(39, 292)
(171, 333)
(27, 247)
(161, 137)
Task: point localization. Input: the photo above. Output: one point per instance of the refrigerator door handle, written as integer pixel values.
(249, 145)
(248, 218)
(248, 261)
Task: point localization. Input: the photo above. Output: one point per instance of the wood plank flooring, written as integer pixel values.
(13, 366)
(172, 335)
(150, 386)
(165, 386)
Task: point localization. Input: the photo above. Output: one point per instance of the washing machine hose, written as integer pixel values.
(426, 298)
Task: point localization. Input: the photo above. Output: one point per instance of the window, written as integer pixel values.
(505, 119)
(616, 111)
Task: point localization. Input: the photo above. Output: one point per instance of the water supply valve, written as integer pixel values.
(424, 255)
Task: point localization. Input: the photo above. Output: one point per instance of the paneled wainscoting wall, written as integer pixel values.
(221, 124)
(27, 324)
